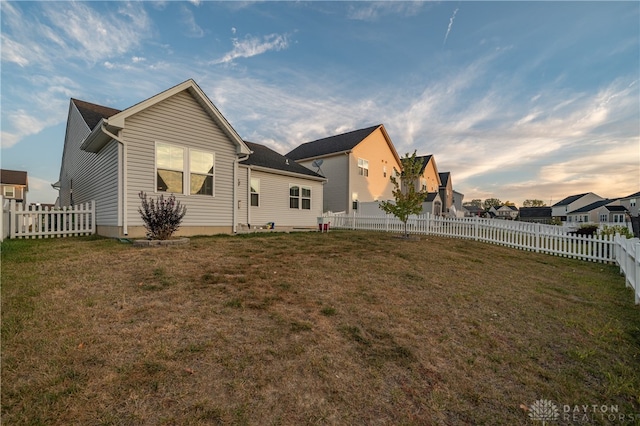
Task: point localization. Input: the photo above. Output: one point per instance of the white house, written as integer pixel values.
(176, 142)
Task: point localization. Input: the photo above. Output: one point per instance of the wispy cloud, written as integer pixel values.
(252, 46)
(446, 36)
(189, 21)
(374, 11)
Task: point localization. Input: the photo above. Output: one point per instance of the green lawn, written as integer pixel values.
(307, 328)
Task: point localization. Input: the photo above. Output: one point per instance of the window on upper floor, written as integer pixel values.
(632, 202)
(363, 167)
(9, 192)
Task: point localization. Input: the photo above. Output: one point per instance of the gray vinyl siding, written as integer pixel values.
(336, 191)
(181, 121)
(242, 195)
(93, 176)
(274, 201)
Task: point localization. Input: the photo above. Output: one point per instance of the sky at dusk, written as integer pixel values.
(518, 100)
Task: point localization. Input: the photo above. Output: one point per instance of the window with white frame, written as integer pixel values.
(9, 192)
(363, 167)
(586, 218)
(294, 197)
(603, 217)
(299, 197)
(169, 168)
(618, 218)
(632, 202)
(201, 172)
(423, 184)
(306, 198)
(255, 192)
(178, 169)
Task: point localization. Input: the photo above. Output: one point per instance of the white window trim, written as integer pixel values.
(186, 170)
(252, 192)
(155, 166)
(213, 175)
(300, 197)
(5, 192)
(363, 167)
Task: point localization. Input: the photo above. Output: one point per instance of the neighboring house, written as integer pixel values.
(535, 214)
(602, 211)
(357, 164)
(472, 210)
(571, 203)
(429, 179)
(176, 142)
(457, 209)
(14, 185)
(279, 190)
(630, 202)
(432, 204)
(446, 192)
(504, 212)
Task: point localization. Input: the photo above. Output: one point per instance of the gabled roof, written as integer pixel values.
(431, 196)
(97, 139)
(616, 208)
(13, 177)
(535, 212)
(444, 178)
(635, 195)
(93, 113)
(425, 160)
(570, 199)
(265, 157)
(590, 207)
(331, 145)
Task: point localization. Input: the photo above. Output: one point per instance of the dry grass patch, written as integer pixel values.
(338, 328)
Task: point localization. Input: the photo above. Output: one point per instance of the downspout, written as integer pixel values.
(125, 229)
(235, 191)
(249, 197)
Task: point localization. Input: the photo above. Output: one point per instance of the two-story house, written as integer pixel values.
(358, 165)
(571, 203)
(14, 185)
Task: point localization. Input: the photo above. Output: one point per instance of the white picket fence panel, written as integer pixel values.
(628, 258)
(44, 222)
(540, 238)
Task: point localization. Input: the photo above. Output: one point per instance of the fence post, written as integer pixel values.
(537, 239)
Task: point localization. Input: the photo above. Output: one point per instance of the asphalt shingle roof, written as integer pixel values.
(535, 212)
(425, 160)
(13, 177)
(444, 177)
(93, 113)
(570, 199)
(266, 157)
(331, 144)
(591, 206)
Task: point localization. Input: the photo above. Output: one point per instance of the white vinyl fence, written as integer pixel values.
(43, 222)
(549, 239)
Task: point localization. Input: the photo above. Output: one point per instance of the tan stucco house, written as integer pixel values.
(176, 142)
(357, 164)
